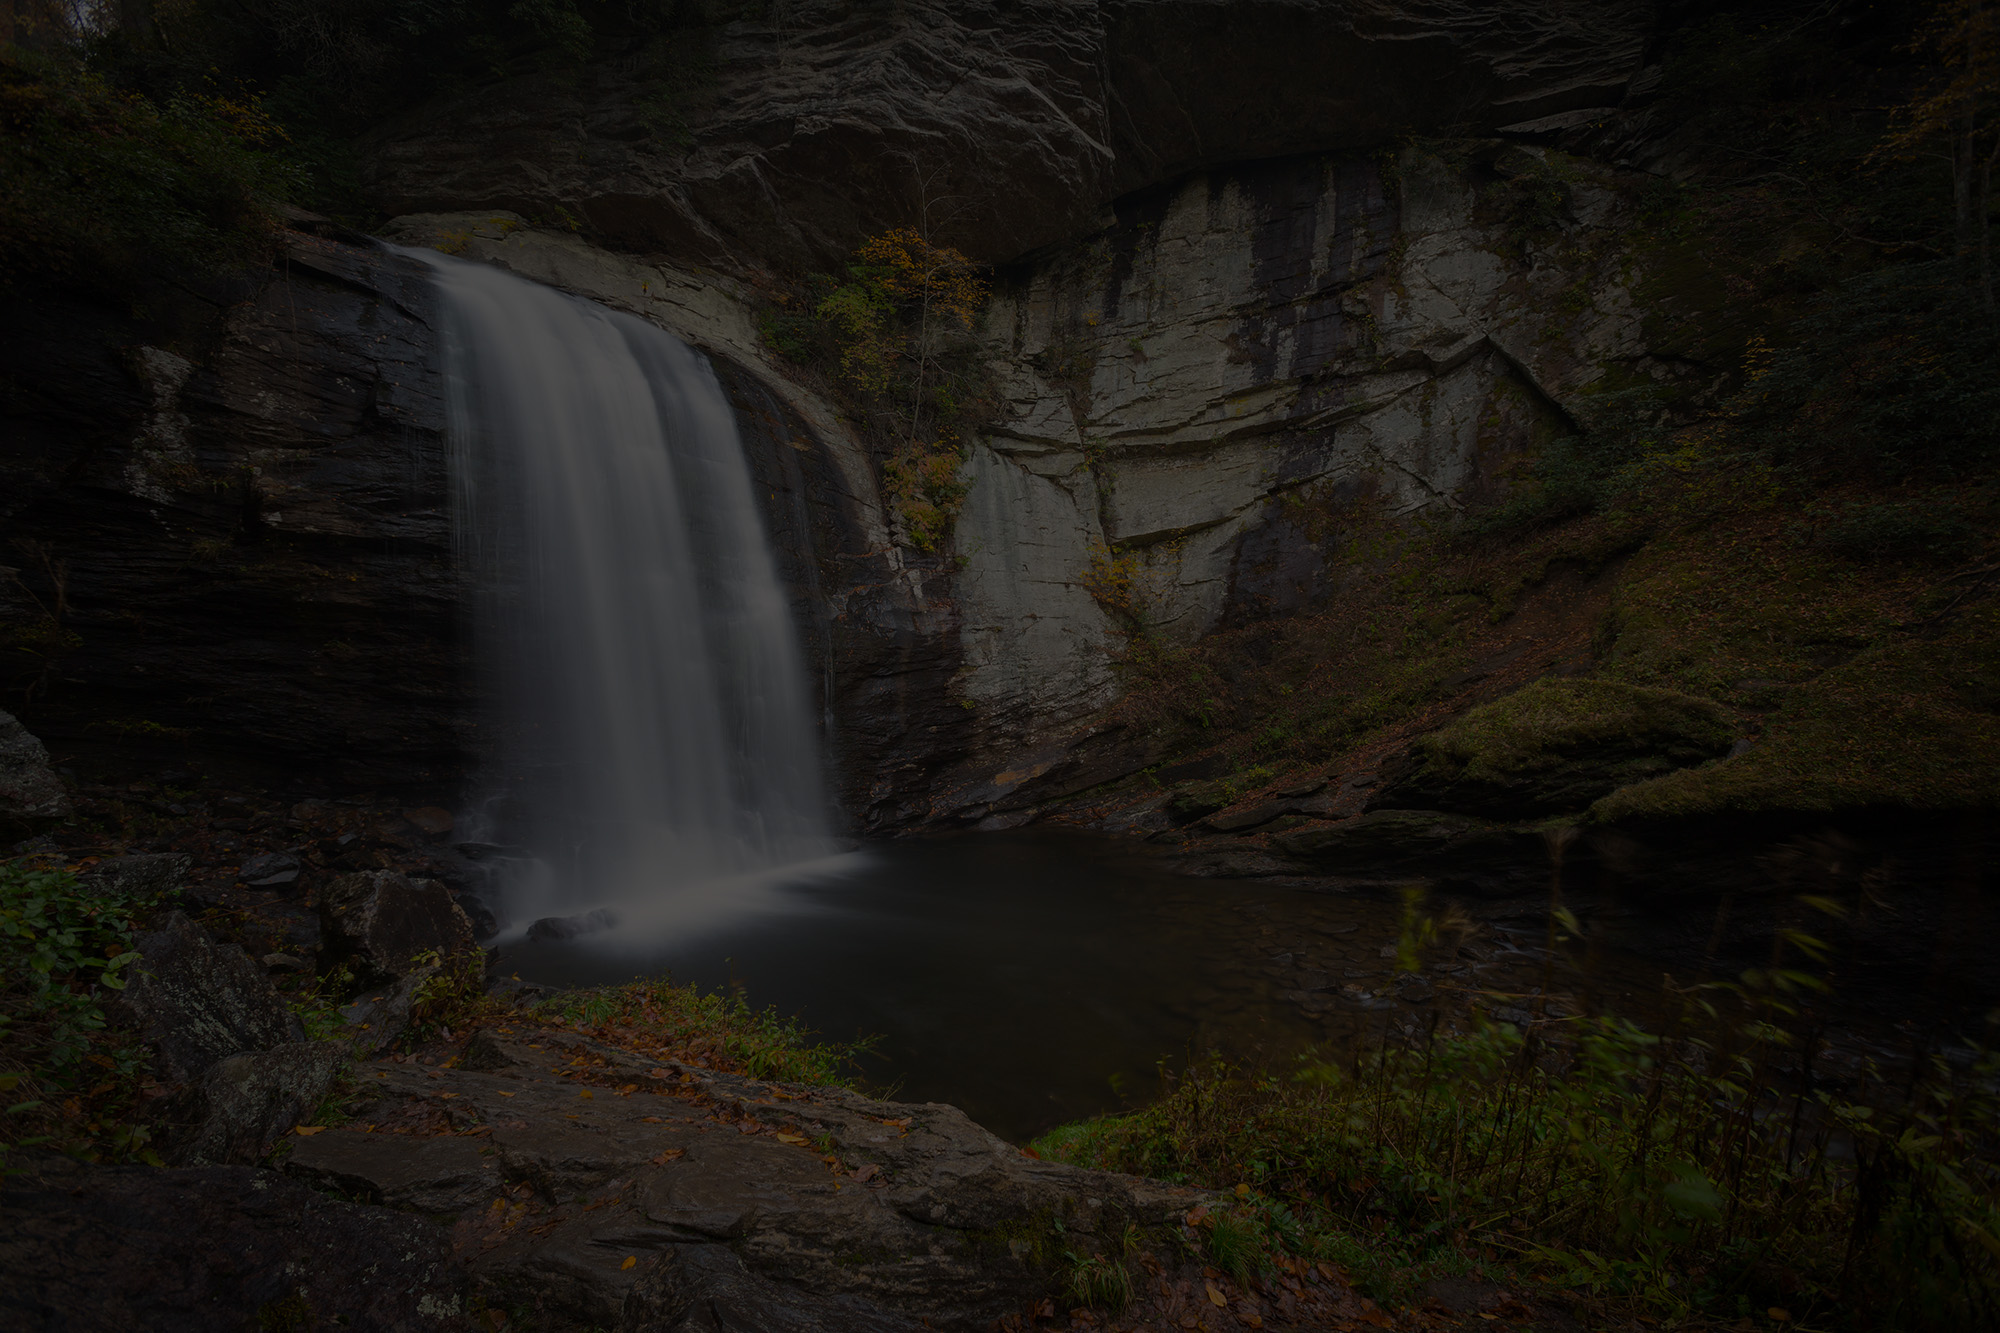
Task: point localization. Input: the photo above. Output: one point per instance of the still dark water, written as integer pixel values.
(1034, 980)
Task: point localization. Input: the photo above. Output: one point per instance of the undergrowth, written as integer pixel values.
(1696, 1174)
(716, 1031)
(69, 1079)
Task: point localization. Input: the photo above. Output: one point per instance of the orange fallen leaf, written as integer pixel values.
(670, 1155)
(583, 1092)
(1215, 1296)
(867, 1173)
(630, 1261)
(1252, 1318)
(446, 1096)
(307, 1131)
(628, 1089)
(791, 1138)
(506, 1094)
(1242, 1191)
(1779, 1314)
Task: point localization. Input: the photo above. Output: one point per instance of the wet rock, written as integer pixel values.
(427, 1175)
(284, 962)
(271, 870)
(707, 1289)
(198, 1001)
(1554, 748)
(384, 920)
(570, 927)
(32, 797)
(193, 1250)
(485, 1051)
(145, 876)
(248, 1101)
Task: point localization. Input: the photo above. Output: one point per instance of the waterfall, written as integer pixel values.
(656, 748)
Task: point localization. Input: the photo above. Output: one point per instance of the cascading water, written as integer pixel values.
(657, 746)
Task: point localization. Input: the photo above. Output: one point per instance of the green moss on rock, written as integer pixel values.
(1557, 746)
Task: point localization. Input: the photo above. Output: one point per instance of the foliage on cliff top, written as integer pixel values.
(106, 190)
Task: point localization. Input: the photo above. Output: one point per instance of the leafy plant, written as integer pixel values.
(63, 952)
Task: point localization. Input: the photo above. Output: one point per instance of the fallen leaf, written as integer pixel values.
(1242, 1191)
(670, 1155)
(866, 1173)
(446, 1096)
(307, 1131)
(650, 1120)
(1215, 1296)
(583, 1092)
(1487, 1314)
(1780, 1314)
(628, 1089)
(506, 1094)
(631, 1260)
(791, 1138)
(1252, 1318)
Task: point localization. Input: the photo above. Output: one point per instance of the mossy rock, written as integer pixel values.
(1556, 747)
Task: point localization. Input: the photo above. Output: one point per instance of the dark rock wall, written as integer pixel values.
(1011, 125)
(245, 541)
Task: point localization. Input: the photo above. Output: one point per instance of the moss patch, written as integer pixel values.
(1545, 725)
(1914, 722)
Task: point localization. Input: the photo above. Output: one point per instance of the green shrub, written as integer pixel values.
(107, 190)
(62, 952)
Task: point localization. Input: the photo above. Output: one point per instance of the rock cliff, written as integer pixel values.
(782, 141)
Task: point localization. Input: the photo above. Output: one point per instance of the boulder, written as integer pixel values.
(248, 1101)
(145, 876)
(570, 927)
(1554, 748)
(190, 1250)
(384, 921)
(706, 1289)
(31, 795)
(199, 1001)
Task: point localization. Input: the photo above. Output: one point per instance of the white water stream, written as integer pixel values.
(657, 750)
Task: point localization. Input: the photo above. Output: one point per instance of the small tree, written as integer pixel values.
(1961, 108)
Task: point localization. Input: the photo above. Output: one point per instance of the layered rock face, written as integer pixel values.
(780, 142)
(247, 541)
(1208, 395)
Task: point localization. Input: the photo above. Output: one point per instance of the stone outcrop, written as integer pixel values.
(31, 795)
(597, 1189)
(197, 1249)
(1014, 125)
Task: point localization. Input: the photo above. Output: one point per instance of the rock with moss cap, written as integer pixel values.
(1554, 748)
